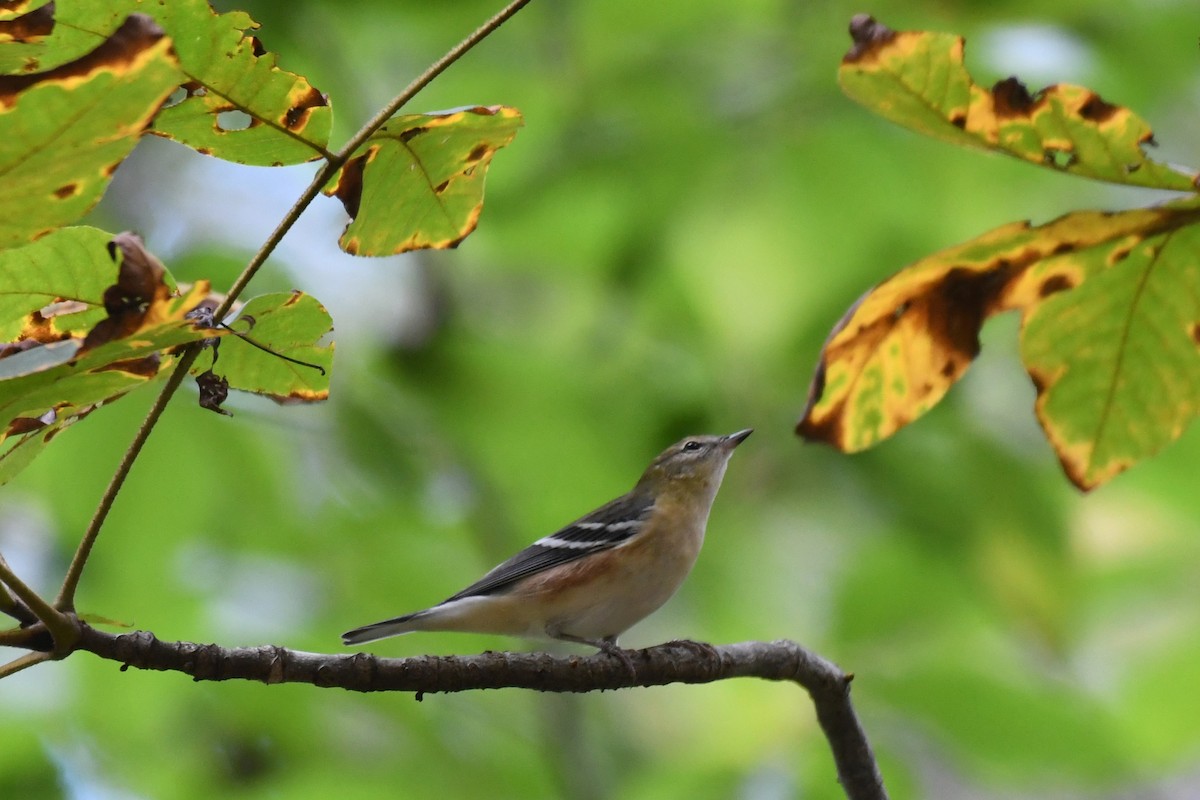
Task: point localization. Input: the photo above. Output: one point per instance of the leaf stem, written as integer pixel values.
(66, 595)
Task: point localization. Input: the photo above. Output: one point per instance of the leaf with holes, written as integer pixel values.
(235, 103)
(290, 326)
(1111, 319)
(418, 182)
(64, 132)
(238, 104)
(917, 79)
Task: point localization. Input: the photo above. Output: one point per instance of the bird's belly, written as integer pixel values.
(625, 591)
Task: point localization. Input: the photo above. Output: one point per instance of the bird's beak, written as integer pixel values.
(734, 439)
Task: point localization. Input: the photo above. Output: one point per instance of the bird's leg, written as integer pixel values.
(607, 645)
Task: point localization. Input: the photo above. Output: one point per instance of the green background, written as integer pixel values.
(690, 207)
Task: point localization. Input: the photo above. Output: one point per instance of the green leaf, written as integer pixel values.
(289, 324)
(917, 79)
(1111, 306)
(418, 182)
(229, 71)
(64, 132)
(47, 387)
(224, 71)
(1117, 360)
(32, 42)
(54, 287)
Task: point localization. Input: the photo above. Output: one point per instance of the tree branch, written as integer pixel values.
(674, 662)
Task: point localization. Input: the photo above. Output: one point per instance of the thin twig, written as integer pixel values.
(9, 604)
(674, 662)
(23, 662)
(66, 595)
(60, 627)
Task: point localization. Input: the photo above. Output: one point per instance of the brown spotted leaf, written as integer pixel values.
(418, 182)
(1111, 312)
(238, 104)
(32, 42)
(54, 287)
(49, 377)
(63, 132)
(281, 355)
(235, 102)
(917, 79)
(1116, 360)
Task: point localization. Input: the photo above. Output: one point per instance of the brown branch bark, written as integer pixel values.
(674, 662)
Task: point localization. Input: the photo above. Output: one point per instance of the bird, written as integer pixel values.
(595, 578)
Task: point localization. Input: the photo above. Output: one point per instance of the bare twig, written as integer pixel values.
(66, 595)
(23, 662)
(9, 604)
(828, 686)
(60, 625)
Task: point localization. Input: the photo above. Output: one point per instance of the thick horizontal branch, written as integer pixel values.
(674, 662)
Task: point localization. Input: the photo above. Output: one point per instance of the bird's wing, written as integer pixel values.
(603, 529)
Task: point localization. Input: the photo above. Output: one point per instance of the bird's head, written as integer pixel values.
(697, 462)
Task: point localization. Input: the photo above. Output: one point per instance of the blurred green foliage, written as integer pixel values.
(688, 210)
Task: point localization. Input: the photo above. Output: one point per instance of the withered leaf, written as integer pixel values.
(140, 284)
(214, 390)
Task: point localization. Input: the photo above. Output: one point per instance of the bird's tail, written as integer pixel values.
(473, 614)
(382, 630)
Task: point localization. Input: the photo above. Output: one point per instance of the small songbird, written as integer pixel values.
(594, 579)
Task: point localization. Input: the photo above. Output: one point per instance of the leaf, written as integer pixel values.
(917, 79)
(141, 285)
(418, 182)
(54, 287)
(225, 73)
(289, 324)
(64, 132)
(1110, 333)
(230, 71)
(48, 386)
(32, 42)
(1117, 361)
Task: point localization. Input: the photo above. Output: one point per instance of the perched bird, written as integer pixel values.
(594, 579)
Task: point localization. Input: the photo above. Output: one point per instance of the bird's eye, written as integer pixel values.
(692, 446)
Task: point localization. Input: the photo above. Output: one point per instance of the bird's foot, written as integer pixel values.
(701, 649)
(611, 648)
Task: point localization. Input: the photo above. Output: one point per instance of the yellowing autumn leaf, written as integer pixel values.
(126, 319)
(418, 182)
(917, 79)
(1111, 306)
(63, 132)
(1110, 302)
